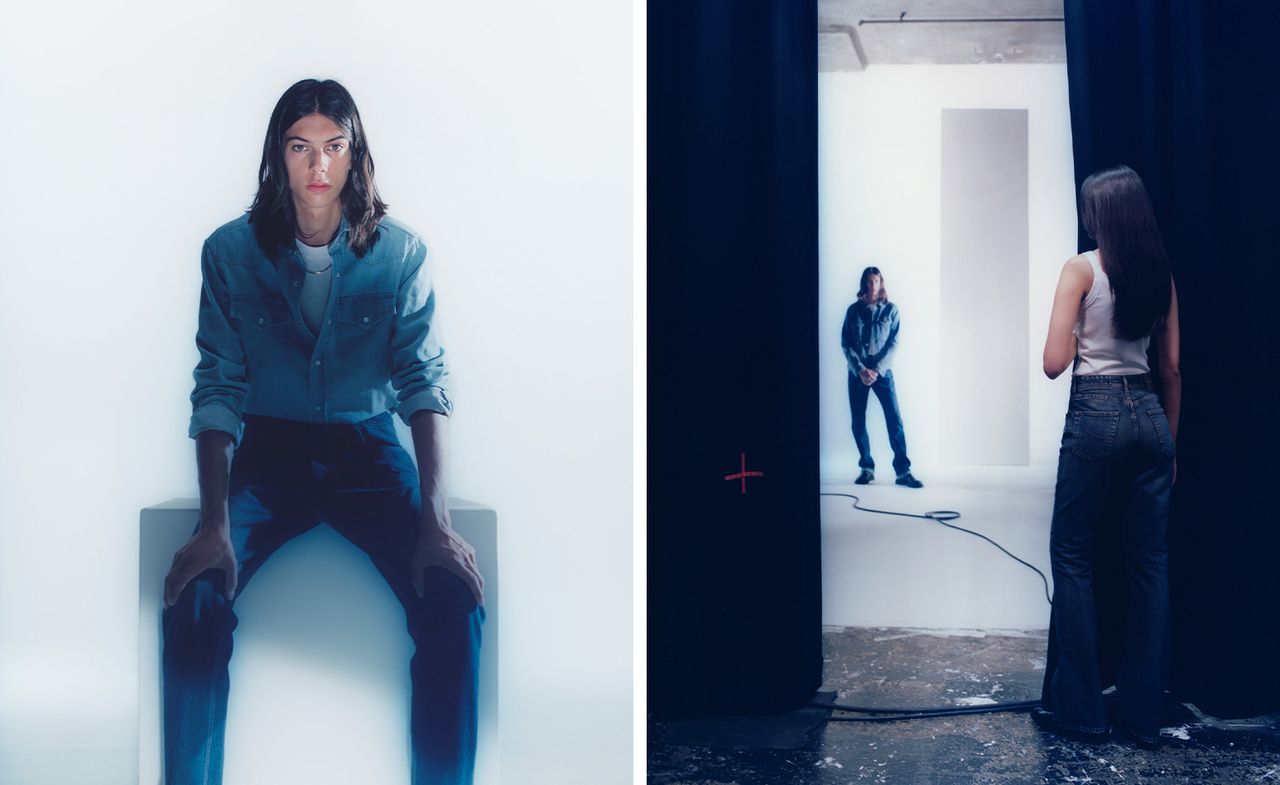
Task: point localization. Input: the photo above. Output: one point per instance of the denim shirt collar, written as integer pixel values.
(336, 247)
(343, 226)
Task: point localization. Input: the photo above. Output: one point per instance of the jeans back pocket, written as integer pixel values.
(1164, 434)
(1093, 434)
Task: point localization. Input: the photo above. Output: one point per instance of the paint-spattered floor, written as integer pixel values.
(904, 667)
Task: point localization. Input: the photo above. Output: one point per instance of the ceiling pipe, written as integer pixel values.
(848, 30)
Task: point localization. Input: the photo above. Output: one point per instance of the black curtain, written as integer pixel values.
(734, 592)
(1185, 93)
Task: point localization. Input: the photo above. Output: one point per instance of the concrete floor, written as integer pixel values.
(912, 667)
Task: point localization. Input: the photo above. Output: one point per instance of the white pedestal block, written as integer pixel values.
(320, 673)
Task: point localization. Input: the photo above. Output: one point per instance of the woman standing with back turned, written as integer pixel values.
(1116, 465)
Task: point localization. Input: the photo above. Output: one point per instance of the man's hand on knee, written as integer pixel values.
(209, 548)
(440, 546)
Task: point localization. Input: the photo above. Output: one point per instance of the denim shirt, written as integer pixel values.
(376, 351)
(870, 336)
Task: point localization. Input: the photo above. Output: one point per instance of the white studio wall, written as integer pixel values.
(503, 134)
(881, 204)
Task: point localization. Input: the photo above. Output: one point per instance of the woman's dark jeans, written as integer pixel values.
(1115, 468)
(286, 478)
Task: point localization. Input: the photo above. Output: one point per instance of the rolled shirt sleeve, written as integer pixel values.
(222, 382)
(419, 372)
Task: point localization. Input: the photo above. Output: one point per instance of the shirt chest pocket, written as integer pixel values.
(264, 327)
(364, 323)
(366, 309)
(874, 328)
(881, 326)
(261, 313)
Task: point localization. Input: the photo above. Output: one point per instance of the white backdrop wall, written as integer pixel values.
(879, 151)
(502, 133)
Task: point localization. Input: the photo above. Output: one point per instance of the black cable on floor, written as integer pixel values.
(941, 517)
(919, 713)
(895, 715)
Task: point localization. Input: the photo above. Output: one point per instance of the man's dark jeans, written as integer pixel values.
(1115, 468)
(858, 394)
(286, 478)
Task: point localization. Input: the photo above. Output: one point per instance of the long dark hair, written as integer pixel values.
(1117, 214)
(862, 284)
(272, 215)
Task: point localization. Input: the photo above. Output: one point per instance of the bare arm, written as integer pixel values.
(1169, 350)
(1060, 343)
(213, 468)
(210, 547)
(438, 544)
(428, 446)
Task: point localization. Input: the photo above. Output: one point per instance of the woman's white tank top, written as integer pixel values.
(1101, 353)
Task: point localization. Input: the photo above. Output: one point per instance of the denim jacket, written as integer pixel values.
(376, 351)
(870, 336)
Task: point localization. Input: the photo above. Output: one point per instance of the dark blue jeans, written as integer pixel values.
(1115, 469)
(287, 477)
(858, 394)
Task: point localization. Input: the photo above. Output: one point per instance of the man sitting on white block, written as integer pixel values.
(315, 323)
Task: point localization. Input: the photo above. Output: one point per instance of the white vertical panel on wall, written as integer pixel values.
(984, 267)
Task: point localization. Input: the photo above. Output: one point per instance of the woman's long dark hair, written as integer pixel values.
(274, 221)
(862, 285)
(1117, 214)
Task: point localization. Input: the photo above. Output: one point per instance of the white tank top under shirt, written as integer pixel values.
(1101, 353)
(315, 284)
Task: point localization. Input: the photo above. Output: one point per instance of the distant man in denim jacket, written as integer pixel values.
(870, 339)
(315, 323)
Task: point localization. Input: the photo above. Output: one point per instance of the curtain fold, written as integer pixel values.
(734, 590)
(1185, 94)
